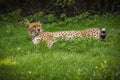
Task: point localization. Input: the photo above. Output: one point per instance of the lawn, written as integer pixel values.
(78, 59)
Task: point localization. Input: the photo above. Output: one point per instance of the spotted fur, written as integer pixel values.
(37, 34)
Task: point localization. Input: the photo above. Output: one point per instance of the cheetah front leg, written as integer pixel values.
(36, 41)
(50, 43)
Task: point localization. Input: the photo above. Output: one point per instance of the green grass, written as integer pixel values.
(78, 59)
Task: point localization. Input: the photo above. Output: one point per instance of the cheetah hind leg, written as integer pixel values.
(50, 43)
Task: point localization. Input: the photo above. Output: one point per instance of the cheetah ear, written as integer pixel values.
(26, 22)
(27, 25)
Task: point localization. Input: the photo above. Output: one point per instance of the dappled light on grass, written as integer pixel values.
(8, 62)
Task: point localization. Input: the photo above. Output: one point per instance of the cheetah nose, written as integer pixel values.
(38, 29)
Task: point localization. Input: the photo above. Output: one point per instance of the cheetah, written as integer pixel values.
(37, 34)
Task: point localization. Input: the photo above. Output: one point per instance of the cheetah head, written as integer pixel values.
(34, 28)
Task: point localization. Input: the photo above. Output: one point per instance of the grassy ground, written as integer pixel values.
(78, 59)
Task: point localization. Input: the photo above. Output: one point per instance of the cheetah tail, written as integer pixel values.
(103, 34)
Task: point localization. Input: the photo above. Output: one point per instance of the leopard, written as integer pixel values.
(37, 34)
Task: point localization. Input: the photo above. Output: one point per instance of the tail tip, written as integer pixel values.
(103, 33)
(103, 29)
